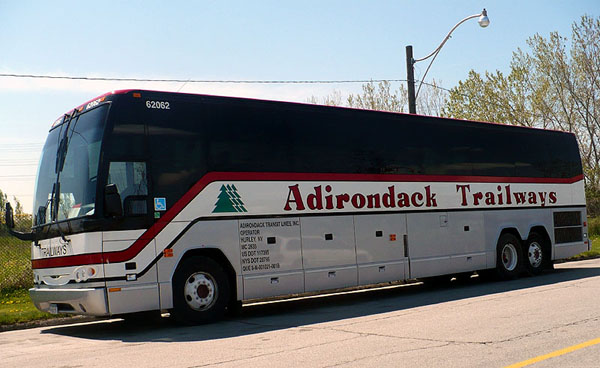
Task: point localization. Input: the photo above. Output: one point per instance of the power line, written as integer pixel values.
(239, 81)
(232, 81)
(223, 81)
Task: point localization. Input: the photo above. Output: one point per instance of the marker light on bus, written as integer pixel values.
(56, 122)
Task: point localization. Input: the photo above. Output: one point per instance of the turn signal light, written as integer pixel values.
(167, 253)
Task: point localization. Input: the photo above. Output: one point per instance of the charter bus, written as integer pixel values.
(192, 204)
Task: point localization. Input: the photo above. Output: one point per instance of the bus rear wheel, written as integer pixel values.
(201, 291)
(537, 256)
(509, 257)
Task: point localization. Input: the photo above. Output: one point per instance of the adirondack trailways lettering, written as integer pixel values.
(255, 251)
(321, 199)
(504, 195)
(324, 197)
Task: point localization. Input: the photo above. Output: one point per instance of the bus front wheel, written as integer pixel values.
(509, 257)
(201, 291)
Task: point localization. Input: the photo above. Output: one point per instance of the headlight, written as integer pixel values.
(84, 273)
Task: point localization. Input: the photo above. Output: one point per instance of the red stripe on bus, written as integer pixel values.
(154, 230)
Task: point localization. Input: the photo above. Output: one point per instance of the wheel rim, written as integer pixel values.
(509, 257)
(535, 254)
(200, 291)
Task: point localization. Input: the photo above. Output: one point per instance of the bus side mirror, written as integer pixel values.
(9, 218)
(112, 201)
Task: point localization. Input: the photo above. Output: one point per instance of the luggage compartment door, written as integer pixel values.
(380, 250)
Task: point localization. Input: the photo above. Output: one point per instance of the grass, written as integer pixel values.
(593, 253)
(594, 236)
(15, 277)
(16, 307)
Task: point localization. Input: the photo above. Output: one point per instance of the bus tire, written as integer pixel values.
(509, 257)
(201, 291)
(536, 255)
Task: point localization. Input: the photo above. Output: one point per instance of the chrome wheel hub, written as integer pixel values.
(200, 291)
(535, 255)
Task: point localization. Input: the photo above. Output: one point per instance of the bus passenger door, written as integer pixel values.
(132, 284)
(380, 250)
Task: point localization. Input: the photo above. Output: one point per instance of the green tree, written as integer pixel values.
(378, 97)
(3, 201)
(382, 97)
(554, 85)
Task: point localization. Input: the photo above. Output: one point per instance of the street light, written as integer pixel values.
(483, 21)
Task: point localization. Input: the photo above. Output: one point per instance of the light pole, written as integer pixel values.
(483, 21)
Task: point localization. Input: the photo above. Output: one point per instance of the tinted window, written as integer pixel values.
(212, 134)
(177, 149)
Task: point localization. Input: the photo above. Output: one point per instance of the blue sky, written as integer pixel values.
(238, 40)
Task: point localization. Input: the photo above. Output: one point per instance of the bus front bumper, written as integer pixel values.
(90, 301)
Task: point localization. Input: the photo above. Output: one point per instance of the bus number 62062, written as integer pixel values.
(163, 105)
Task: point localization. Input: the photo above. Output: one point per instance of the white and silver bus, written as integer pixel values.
(192, 203)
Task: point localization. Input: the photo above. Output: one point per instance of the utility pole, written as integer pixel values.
(410, 80)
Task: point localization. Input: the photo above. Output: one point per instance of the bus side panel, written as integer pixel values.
(329, 252)
(271, 257)
(445, 242)
(221, 235)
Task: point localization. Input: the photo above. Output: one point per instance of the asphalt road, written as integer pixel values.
(471, 324)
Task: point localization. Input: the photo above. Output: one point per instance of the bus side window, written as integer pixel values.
(132, 184)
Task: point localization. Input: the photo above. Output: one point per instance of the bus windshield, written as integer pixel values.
(68, 169)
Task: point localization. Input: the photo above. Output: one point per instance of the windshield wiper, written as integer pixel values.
(61, 156)
(61, 150)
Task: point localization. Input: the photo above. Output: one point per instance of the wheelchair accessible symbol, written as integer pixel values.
(160, 204)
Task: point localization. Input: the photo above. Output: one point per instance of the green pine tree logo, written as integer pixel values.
(229, 200)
